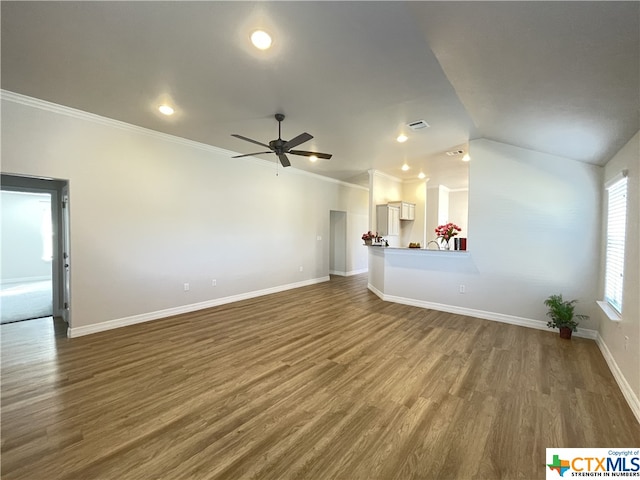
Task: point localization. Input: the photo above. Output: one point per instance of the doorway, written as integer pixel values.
(33, 274)
(338, 243)
(26, 290)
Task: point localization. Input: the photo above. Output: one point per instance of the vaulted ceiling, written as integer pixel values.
(557, 77)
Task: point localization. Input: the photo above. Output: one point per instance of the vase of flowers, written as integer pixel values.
(446, 232)
(369, 237)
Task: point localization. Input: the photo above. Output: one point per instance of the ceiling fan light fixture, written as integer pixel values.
(402, 138)
(261, 39)
(281, 147)
(166, 109)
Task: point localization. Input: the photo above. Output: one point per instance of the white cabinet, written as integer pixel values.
(388, 220)
(407, 210)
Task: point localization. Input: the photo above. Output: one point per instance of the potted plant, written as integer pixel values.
(561, 313)
(369, 237)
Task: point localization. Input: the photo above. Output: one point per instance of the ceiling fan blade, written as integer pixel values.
(251, 154)
(304, 153)
(284, 160)
(294, 142)
(249, 140)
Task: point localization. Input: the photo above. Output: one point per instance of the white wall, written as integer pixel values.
(613, 333)
(383, 189)
(414, 231)
(459, 210)
(432, 205)
(535, 221)
(150, 212)
(22, 236)
(357, 224)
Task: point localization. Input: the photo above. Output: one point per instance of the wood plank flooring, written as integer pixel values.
(321, 382)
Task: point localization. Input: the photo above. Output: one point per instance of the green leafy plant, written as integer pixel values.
(561, 313)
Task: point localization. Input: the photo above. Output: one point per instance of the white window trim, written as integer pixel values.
(619, 176)
(611, 313)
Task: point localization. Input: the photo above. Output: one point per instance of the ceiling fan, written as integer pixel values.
(282, 147)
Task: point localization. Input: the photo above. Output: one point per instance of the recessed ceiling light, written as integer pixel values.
(313, 158)
(466, 157)
(405, 167)
(421, 175)
(402, 138)
(261, 39)
(166, 110)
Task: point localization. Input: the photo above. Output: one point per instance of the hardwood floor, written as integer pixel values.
(322, 382)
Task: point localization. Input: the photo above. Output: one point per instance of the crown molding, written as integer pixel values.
(424, 180)
(378, 173)
(44, 105)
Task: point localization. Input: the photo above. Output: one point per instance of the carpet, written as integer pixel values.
(24, 301)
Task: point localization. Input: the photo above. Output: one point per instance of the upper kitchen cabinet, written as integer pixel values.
(407, 210)
(388, 219)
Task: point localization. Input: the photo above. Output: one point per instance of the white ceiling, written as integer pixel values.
(557, 77)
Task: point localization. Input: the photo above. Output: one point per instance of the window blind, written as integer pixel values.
(616, 228)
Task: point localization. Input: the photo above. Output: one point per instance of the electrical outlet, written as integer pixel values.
(626, 343)
(319, 237)
(186, 287)
(301, 269)
(462, 289)
(214, 282)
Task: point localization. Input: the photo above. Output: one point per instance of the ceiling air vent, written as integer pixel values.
(417, 125)
(453, 153)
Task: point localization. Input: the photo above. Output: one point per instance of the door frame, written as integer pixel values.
(19, 183)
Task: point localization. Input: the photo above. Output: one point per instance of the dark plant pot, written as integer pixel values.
(565, 332)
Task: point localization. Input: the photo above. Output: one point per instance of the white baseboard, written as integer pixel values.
(340, 273)
(169, 312)
(357, 272)
(378, 293)
(629, 394)
(348, 274)
(471, 312)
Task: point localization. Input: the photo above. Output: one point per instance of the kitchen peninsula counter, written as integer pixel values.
(418, 274)
(422, 249)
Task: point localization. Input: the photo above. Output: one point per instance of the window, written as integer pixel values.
(616, 226)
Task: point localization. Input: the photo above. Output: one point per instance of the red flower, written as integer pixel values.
(370, 236)
(447, 231)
